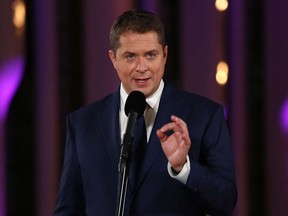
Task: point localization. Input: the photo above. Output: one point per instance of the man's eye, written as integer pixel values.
(151, 55)
(130, 57)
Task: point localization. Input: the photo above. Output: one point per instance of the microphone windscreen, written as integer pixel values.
(135, 102)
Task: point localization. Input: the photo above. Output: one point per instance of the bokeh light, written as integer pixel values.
(19, 14)
(222, 73)
(221, 5)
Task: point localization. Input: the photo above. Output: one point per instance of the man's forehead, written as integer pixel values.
(139, 40)
(139, 49)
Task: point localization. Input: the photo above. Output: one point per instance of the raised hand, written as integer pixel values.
(176, 145)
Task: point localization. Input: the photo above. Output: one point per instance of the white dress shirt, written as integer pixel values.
(149, 115)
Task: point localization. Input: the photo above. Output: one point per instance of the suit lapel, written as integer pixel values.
(109, 122)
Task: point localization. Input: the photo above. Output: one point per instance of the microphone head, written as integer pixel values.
(136, 102)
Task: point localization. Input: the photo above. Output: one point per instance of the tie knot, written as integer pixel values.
(149, 115)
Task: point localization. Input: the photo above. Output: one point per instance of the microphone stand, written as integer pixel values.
(124, 163)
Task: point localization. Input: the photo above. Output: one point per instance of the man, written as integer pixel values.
(187, 167)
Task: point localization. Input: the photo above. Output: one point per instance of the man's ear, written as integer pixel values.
(165, 54)
(166, 51)
(112, 58)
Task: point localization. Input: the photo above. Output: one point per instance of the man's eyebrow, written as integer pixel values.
(128, 53)
(133, 53)
(153, 50)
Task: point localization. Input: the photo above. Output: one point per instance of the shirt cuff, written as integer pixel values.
(183, 175)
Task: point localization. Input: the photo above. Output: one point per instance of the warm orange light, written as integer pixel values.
(222, 73)
(221, 5)
(19, 14)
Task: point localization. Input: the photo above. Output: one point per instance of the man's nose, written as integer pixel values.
(141, 65)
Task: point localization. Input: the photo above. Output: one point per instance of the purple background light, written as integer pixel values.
(284, 116)
(11, 73)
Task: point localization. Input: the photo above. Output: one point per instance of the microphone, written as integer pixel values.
(134, 109)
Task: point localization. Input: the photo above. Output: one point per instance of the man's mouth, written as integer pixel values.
(142, 80)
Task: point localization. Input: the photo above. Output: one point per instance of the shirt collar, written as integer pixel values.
(151, 100)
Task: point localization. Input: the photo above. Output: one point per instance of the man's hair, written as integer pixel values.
(136, 21)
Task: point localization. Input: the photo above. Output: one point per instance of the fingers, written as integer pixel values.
(179, 128)
(183, 128)
(177, 124)
(161, 135)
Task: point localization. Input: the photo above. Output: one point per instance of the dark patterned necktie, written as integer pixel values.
(137, 153)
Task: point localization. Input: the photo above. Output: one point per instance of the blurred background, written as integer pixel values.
(54, 59)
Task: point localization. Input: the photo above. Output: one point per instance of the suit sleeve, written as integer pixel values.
(70, 200)
(212, 178)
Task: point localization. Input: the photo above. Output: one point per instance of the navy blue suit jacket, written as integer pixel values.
(90, 174)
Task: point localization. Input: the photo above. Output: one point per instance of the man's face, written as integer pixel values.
(140, 62)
